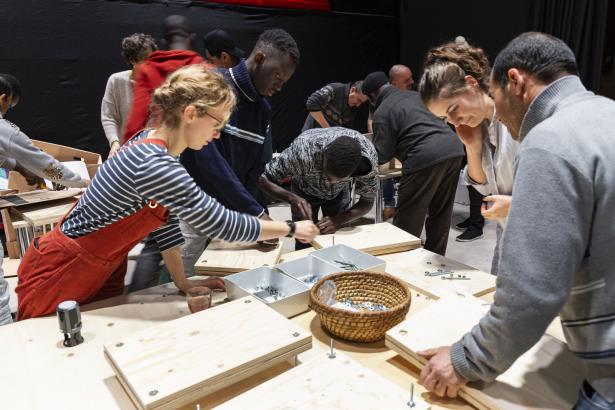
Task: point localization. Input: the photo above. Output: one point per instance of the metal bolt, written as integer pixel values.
(411, 403)
(296, 334)
(331, 352)
(247, 301)
(153, 392)
(119, 344)
(429, 263)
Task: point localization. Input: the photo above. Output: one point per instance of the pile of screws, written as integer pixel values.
(311, 279)
(273, 292)
(347, 265)
(350, 305)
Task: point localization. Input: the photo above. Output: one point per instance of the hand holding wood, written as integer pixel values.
(439, 375)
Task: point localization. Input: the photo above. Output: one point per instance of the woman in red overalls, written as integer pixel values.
(141, 190)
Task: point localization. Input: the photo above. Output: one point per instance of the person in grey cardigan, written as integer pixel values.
(557, 250)
(117, 101)
(17, 153)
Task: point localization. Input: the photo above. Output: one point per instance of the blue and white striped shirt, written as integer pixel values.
(144, 172)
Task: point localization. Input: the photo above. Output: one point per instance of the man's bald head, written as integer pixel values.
(401, 77)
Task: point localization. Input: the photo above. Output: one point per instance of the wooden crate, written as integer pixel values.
(546, 376)
(224, 258)
(375, 239)
(411, 268)
(323, 383)
(177, 362)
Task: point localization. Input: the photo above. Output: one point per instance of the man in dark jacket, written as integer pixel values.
(431, 157)
(334, 105)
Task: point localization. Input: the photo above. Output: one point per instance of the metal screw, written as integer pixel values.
(296, 334)
(411, 401)
(119, 344)
(153, 392)
(429, 263)
(331, 352)
(247, 301)
(333, 239)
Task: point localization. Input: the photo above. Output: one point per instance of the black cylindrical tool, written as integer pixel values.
(69, 318)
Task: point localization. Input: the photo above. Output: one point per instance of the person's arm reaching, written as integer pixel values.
(110, 117)
(317, 102)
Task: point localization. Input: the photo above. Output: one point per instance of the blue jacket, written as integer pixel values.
(228, 169)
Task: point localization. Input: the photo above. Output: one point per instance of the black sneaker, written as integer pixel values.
(463, 225)
(471, 234)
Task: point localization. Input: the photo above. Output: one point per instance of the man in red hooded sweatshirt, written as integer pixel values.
(178, 39)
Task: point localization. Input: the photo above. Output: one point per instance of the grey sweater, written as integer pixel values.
(558, 250)
(16, 147)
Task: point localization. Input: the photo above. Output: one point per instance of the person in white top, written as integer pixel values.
(117, 101)
(454, 86)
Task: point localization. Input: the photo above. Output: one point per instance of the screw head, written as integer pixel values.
(119, 344)
(153, 392)
(296, 334)
(247, 301)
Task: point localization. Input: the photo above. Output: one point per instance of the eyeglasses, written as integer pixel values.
(220, 123)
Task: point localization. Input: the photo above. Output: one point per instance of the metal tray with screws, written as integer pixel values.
(345, 258)
(286, 295)
(308, 270)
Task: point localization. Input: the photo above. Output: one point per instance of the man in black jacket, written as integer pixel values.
(431, 157)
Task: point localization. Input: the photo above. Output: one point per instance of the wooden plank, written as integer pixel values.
(223, 258)
(411, 268)
(45, 213)
(546, 376)
(323, 383)
(187, 358)
(291, 256)
(38, 372)
(63, 153)
(35, 197)
(375, 239)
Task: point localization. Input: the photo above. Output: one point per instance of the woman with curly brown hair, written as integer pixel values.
(455, 87)
(117, 100)
(143, 189)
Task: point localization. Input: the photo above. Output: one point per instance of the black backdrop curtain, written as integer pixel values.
(64, 51)
(582, 25)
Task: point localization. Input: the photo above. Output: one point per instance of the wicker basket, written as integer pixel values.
(366, 326)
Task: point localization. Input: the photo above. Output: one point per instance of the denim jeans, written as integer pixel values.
(589, 399)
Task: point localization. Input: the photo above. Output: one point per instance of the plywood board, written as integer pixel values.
(323, 383)
(44, 213)
(547, 376)
(375, 239)
(412, 266)
(223, 258)
(35, 197)
(291, 256)
(63, 153)
(175, 363)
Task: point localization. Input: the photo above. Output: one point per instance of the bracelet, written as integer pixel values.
(292, 226)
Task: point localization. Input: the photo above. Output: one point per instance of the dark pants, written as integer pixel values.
(148, 266)
(428, 193)
(476, 200)
(388, 192)
(330, 207)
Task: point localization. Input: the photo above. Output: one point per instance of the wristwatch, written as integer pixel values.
(292, 226)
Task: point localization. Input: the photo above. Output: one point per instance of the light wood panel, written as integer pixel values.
(223, 258)
(548, 376)
(177, 362)
(34, 197)
(291, 256)
(324, 383)
(411, 268)
(375, 239)
(46, 213)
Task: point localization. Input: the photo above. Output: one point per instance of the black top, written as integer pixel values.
(405, 129)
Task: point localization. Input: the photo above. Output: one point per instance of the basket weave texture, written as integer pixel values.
(365, 326)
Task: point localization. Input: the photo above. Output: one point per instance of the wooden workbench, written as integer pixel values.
(44, 374)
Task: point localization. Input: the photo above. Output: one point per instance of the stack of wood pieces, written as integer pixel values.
(375, 239)
(324, 383)
(177, 362)
(424, 271)
(548, 376)
(224, 258)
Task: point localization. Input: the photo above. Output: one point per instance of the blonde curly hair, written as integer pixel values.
(193, 85)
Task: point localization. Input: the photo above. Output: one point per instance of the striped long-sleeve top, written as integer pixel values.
(147, 172)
